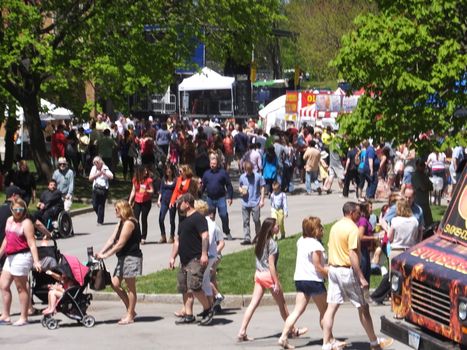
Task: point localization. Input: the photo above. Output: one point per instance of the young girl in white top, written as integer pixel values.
(310, 271)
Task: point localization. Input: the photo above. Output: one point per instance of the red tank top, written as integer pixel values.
(16, 241)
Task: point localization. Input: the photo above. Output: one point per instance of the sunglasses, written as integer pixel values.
(62, 164)
(17, 210)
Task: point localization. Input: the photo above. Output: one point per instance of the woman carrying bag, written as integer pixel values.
(124, 243)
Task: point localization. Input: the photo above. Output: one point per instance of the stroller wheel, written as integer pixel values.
(52, 323)
(88, 321)
(44, 321)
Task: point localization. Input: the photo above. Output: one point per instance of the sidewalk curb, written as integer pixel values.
(230, 301)
(80, 211)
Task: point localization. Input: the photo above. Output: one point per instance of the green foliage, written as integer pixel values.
(408, 52)
(52, 46)
(320, 25)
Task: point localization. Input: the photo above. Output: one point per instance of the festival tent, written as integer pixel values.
(207, 79)
(274, 113)
(52, 112)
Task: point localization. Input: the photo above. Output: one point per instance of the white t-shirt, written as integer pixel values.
(304, 268)
(405, 232)
(215, 236)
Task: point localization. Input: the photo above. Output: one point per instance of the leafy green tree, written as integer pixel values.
(409, 58)
(320, 25)
(49, 46)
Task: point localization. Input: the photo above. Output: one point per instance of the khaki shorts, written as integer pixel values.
(344, 285)
(190, 277)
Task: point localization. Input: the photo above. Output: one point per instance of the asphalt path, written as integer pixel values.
(155, 329)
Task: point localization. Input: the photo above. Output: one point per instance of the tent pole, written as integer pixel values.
(232, 97)
(179, 104)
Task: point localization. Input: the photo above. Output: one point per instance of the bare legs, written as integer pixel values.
(6, 279)
(128, 298)
(301, 302)
(258, 293)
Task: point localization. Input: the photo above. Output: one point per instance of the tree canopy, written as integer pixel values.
(411, 60)
(51, 46)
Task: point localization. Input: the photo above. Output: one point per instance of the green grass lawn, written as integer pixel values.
(236, 271)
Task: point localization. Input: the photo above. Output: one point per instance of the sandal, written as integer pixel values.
(284, 344)
(298, 332)
(124, 322)
(244, 337)
(337, 344)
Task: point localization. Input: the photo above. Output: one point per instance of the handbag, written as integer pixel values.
(100, 277)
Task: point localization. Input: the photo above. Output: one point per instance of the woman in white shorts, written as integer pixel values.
(20, 248)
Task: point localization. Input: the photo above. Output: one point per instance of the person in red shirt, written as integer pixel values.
(228, 143)
(58, 144)
(141, 198)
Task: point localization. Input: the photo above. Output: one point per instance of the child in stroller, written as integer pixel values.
(57, 290)
(68, 296)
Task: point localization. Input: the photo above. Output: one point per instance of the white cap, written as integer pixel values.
(150, 118)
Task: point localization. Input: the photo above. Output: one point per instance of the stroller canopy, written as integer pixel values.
(73, 268)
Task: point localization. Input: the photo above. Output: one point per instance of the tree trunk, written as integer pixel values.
(10, 128)
(38, 150)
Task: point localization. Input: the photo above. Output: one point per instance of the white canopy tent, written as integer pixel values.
(207, 79)
(274, 113)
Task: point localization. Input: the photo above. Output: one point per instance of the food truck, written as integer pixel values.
(429, 284)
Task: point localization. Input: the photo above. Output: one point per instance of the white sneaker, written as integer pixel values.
(384, 270)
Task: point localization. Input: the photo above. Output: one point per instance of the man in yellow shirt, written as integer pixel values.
(346, 280)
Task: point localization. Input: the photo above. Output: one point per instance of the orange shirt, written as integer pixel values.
(180, 189)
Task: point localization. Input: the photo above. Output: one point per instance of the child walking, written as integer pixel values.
(279, 210)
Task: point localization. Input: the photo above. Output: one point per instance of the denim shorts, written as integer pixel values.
(310, 288)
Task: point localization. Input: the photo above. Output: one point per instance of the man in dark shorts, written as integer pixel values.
(191, 245)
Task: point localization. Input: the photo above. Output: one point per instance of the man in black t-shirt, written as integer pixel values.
(191, 245)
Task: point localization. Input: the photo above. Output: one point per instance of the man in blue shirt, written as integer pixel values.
(409, 195)
(252, 192)
(371, 171)
(216, 182)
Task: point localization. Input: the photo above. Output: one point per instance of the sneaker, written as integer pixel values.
(245, 242)
(186, 320)
(319, 191)
(217, 309)
(217, 302)
(229, 237)
(383, 343)
(206, 318)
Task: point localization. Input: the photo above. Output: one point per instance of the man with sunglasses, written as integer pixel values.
(65, 178)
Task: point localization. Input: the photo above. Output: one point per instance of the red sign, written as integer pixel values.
(291, 102)
(308, 98)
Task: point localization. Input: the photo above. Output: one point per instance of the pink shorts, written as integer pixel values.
(264, 279)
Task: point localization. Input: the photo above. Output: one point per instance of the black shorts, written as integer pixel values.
(310, 288)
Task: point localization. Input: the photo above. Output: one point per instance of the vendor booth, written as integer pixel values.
(206, 93)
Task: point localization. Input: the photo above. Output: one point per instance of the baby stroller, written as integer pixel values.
(74, 301)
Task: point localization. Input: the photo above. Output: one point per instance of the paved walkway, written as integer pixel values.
(156, 256)
(155, 329)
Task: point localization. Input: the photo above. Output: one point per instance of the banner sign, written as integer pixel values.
(291, 102)
(328, 103)
(349, 103)
(454, 222)
(308, 98)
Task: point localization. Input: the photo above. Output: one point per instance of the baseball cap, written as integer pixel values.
(12, 190)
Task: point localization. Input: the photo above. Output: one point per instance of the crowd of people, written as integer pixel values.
(187, 167)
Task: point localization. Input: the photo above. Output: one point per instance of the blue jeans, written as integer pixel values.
(162, 213)
(311, 181)
(221, 205)
(98, 204)
(372, 185)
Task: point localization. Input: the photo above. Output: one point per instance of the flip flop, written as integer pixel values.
(125, 322)
(243, 338)
(5, 323)
(20, 323)
(298, 332)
